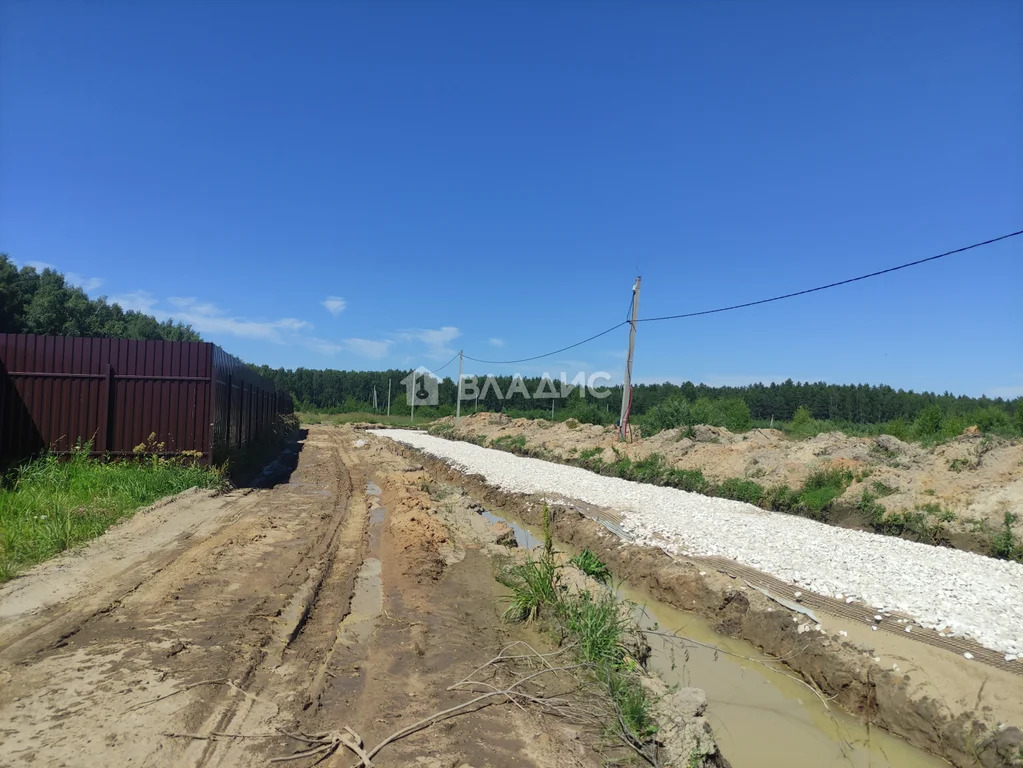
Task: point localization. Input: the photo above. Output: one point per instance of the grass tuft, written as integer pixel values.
(597, 626)
(592, 566)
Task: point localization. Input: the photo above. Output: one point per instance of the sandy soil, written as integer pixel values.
(977, 478)
(195, 631)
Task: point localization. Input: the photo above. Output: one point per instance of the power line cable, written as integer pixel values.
(740, 306)
(449, 362)
(548, 354)
(829, 285)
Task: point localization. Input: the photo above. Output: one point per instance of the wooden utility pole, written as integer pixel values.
(458, 391)
(627, 387)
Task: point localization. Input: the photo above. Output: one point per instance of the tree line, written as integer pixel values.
(659, 406)
(44, 303)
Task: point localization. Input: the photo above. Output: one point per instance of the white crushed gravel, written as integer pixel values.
(948, 590)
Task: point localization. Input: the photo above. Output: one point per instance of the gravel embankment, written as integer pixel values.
(945, 589)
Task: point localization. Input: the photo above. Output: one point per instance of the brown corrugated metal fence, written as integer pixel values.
(59, 391)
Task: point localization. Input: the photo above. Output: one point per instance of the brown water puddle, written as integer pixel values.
(762, 716)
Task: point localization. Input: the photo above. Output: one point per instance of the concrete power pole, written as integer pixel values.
(627, 388)
(458, 391)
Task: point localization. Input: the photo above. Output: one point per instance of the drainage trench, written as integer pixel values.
(762, 716)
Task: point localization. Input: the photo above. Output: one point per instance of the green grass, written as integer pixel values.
(394, 420)
(1004, 544)
(595, 625)
(534, 587)
(50, 505)
(511, 443)
(738, 489)
(821, 488)
(592, 566)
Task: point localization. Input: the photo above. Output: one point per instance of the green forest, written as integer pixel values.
(44, 303)
(801, 408)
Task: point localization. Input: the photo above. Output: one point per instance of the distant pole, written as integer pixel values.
(388, 397)
(458, 390)
(374, 398)
(552, 409)
(627, 388)
(412, 418)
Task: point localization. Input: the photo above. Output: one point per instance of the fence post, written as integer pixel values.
(227, 420)
(107, 419)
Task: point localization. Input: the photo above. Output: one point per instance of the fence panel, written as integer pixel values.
(59, 391)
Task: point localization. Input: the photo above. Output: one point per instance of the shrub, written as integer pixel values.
(741, 490)
(687, 480)
(898, 427)
(991, 419)
(781, 498)
(870, 507)
(671, 414)
(650, 469)
(734, 415)
(803, 423)
(1004, 544)
(821, 488)
(511, 443)
(928, 422)
(828, 477)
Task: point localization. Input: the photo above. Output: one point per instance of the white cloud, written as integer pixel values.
(322, 346)
(494, 342)
(435, 339)
(206, 317)
(191, 304)
(87, 284)
(334, 304)
(374, 350)
(139, 301)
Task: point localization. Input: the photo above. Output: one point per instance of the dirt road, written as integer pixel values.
(193, 634)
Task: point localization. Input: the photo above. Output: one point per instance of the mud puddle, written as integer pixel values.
(367, 593)
(762, 716)
(523, 538)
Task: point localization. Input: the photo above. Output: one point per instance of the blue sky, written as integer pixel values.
(370, 185)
